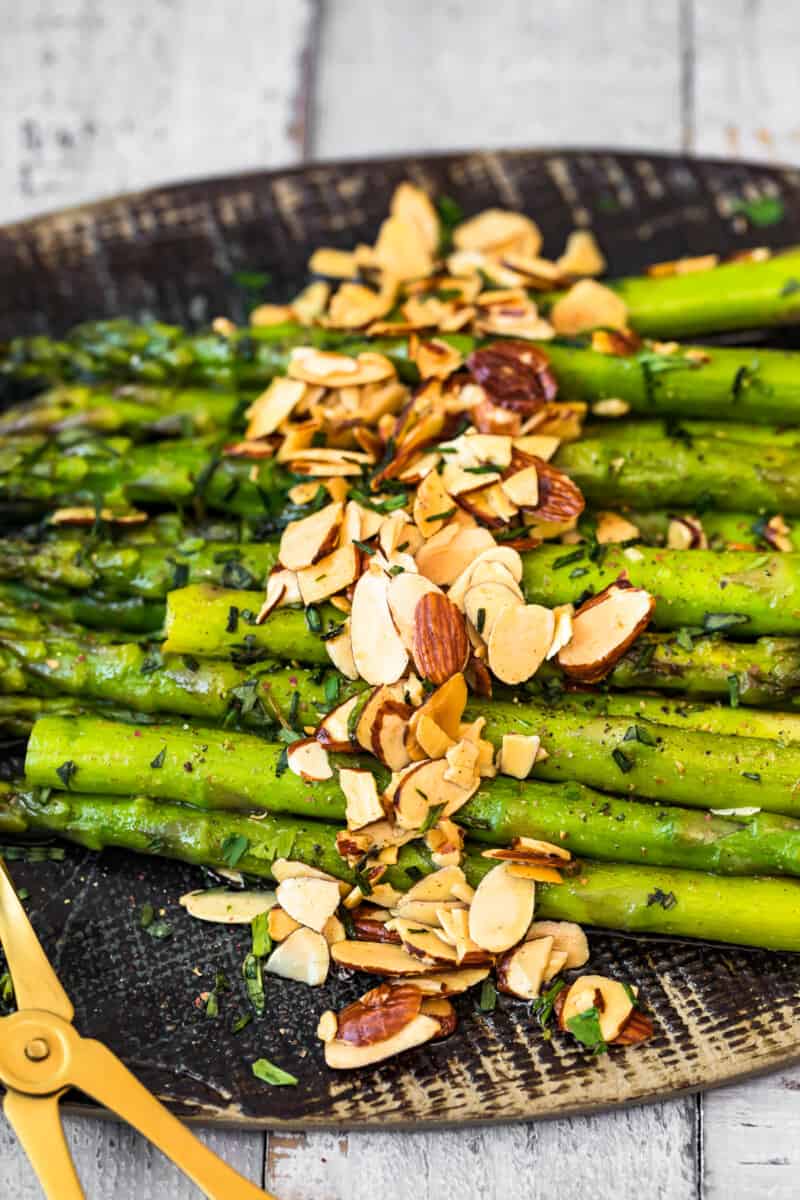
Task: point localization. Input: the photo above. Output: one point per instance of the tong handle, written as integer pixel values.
(98, 1072)
(37, 1123)
(36, 984)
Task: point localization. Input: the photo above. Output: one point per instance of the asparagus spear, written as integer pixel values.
(723, 530)
(130, 614)
(131, 570)
(218, 768)
(132, 409)
(634, 898)
(665, 472)
(620, 432)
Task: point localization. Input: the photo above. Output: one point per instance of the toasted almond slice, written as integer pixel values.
(484, 602)
(521, 971)
(446, 554)
(361, 793)
(305, 541)
(327, 1026)
(489, 571)
(415, 792)
(613, 527)
(563, 630)
(458, 480)
(489, 505)
(86, 514)
(519, 641)
(462, 768)
(355, 305)
(602, 630)
(280, 924)
(340, 651)
(334, 729)
(378, 958)
(334, 931)
(448, 983)
(582, 255)
(273, 406)
(336, 264)
(446, 706)
(379, 1014)
(442, 1011)
(438, 886)
(367, 720)
(424, 912)
(281, 589)
(522, 488)
(341, 1055)
(432, 504)
(371, 925)
(589, 305)
(609, 997)
(304, 956)
(332, 370)
(567, 937)
(423, 942)
(501, 910)
(496, 230)
(556, 963)
(378, 650)
(433, 740)
(534, 871)
(309, 305)
(404, 592)
(436, 359)
(308, 758)
(309, 901)
(331, 574)
(413, 205)
(518, 754)
(401, 250)
(541, 446)
(440, 647)
(271, 314)
(505, 556)
(224, 907)
(389, 735)
(530, 850)
(289, 868)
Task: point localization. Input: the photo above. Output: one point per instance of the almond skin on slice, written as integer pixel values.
(309, 901)
(405, 591)
(440, 646)
(379, 1014)
(389, 734)
(305, 541)
(567, 937)
(637, 1028)
(278, 583)
(608, 996)
(308, 758)
(602, 630)
(448, 983)
(501, 910)
(519, 642)
(331, 574)
(333, 731)
(372, 928)
(440, 1008)
(561, 501)
(378, 651)
(521, 971)
(377, 958)
(304, 957)
(341, 1056)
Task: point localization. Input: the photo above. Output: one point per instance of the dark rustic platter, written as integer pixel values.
(175, 253)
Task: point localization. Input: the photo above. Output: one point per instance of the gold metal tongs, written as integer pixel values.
(42, 1056)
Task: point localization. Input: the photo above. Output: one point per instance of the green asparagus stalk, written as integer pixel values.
(218, 769)
(132, 409)
(632, 898)
(129, 614)
(621, 432)
(723, 530)
(137, 570)
(665, 472)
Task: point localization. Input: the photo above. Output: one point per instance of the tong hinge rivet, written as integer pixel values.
(37, 1050)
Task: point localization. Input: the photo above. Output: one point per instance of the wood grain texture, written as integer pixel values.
(750, 1139)
(746, 84)
(397, 77)
(98, 98)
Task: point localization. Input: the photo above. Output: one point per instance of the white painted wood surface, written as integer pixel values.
(99, 96)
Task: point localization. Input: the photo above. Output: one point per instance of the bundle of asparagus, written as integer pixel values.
(354, 550)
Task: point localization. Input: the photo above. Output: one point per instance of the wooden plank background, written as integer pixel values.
(100, 97)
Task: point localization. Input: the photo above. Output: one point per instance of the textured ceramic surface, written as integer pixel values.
(719, 1013)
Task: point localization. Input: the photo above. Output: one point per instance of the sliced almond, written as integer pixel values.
(490, 505)
(432, 505)
(449, 983)
(521, 971)
(613, 527)
(582, 255)
(612, 1001)
(442, 1011)
(332, 370)
(389, 735)
(414, 206)
(309, 901)
(327, 1026)
(535, 872)
(439, 886)
(424, 912)
(556, 963)
(378, 1015)
(378, 650)
(445, 706)
(273, 406)
(404, 592)
(602, 630)
(562, 635)
(355, 305)
(501, 910)
(308, 758)
(498, 230)
(304, 957)
(504, 556)
(329, 575)
(484, 602)
(361, 793)
(401, 251)
(530, 850)
(519, 641)
(280, 924)
(522, 488)
(588, 305)
(336, 264)
(434, 741)
(334, 729)
(341, 1055)
(334, 931)
(377, 958)
(539, 445)
(290, 868)
(518, 754)
(462, 768)
(567, 937)
(305, 541)
(224, 907)
(340, 651)
(282, 589)
(447, 553)
(440, 647)
(424, 943)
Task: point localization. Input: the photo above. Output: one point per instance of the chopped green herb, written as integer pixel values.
(158, 761)
(159, 930)
(733, 691)
(577, 572)
(267, 1072)
(370, 550)
(331, 688)
(254, 983)
(151, 662)
(790, 287)
(66, 772)
(623, 761)
(191, 663)
(544, 1006)
(433, 814)
(585, 1026)
(241, 1022)
(714, 622)
(665, 900)
(146, 916)
(441, 516)
(313, 619)
(488, 997)
(684, 639)
(234, 847)
(564, 560)
(232, 623)
(212, 1005)
(180, 574)
(262, 942)
(639, 733)
(480, 620)
(756, 778)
